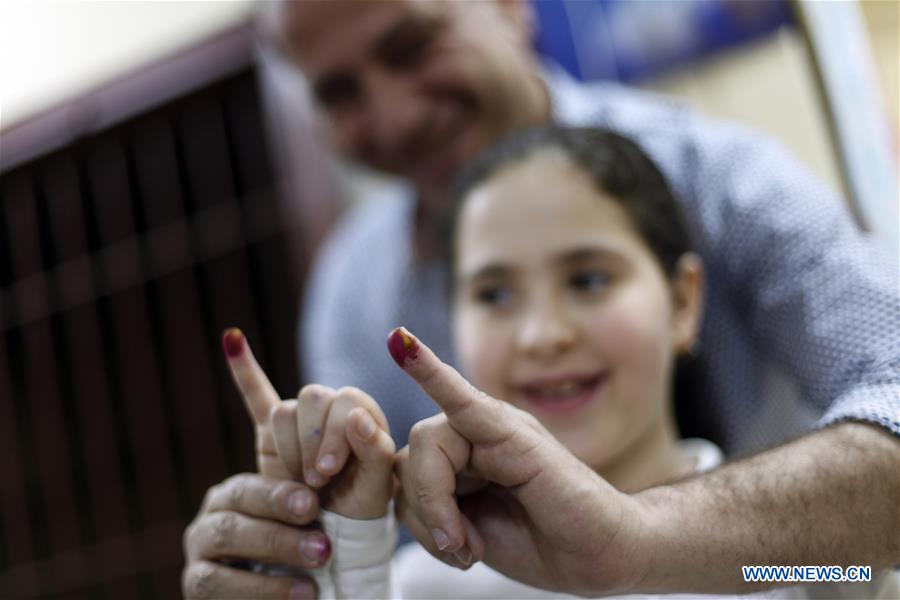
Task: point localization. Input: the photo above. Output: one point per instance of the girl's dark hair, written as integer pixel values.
(617, 167)
(622, 170)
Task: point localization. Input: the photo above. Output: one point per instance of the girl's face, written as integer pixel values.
(561, 309)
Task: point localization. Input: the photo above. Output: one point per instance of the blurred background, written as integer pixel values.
(159, 182)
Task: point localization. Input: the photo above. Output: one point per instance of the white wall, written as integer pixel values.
(53, 50)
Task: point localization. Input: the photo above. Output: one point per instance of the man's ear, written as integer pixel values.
(521, 15)
(687, 302)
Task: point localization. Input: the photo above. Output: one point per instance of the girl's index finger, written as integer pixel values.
(256, 390)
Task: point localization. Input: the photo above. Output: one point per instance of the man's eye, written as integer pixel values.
(336, 92)
(589, 281)
(493, 296)
(408, 51)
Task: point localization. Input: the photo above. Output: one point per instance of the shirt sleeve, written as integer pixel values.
(360, 563)
(821, 297)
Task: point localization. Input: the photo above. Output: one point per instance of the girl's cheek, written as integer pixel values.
(630, 330)
(480, 345)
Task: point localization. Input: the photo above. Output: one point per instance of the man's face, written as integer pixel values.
(417, 88)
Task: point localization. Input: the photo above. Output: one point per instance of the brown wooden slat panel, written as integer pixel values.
(13, 502)
(209, 177)
(225, 278)
(182, 315)
(17, 534)
(89, 392)
(129, 251)
(161, 535)
(45, 424)
(139, 371)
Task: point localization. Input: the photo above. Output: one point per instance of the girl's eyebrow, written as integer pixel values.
(573, 256)
(487, 271)
(585, 253)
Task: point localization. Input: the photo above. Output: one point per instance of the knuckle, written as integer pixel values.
(342, 404)
(284, 410)
(273, 541)
(418, 433)
(530, 420)
(350, 397)
(482, 396)
(513, 414)
(235, 492)
(243, 478)
(188, 538)
(348, 391)
(314, 393)
(426, 429)
(278, 495)
(201, 581)
(209, 496)
(426, 499)
(430, 374)
(223, 530)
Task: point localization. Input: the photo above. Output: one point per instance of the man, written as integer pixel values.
(416, 89)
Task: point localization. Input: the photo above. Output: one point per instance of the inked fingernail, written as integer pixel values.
(316, 549)
(233, 342)
(299, 503)
(327, 463)
(440, 538)
(463, 555)
(301, 591)
(402, 346)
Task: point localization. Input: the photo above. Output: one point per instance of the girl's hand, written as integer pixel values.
(337, 441)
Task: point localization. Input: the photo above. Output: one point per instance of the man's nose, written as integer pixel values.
(547, 330)
(396, 113)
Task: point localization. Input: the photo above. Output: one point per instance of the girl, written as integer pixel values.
(574, 292)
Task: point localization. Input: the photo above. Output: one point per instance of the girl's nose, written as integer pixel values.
(547, 331)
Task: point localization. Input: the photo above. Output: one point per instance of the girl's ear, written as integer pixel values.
(687, 298)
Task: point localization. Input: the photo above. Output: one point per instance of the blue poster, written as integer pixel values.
(629, 40)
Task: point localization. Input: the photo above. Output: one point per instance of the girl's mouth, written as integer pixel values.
(562, 395)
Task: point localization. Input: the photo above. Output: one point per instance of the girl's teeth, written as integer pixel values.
(565, 389)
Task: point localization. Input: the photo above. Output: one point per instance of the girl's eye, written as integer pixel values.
(589, 281)
(493, 296)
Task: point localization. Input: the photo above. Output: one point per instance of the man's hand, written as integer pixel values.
(535, 513)
(527, 506)
(252, 517)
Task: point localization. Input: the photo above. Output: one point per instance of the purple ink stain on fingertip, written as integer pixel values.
(233, 342)
(402, 346)
(324, 548)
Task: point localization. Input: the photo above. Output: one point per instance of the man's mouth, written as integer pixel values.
(441, 157)
(562, 395)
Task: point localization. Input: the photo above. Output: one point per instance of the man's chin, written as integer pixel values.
(432, 183)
